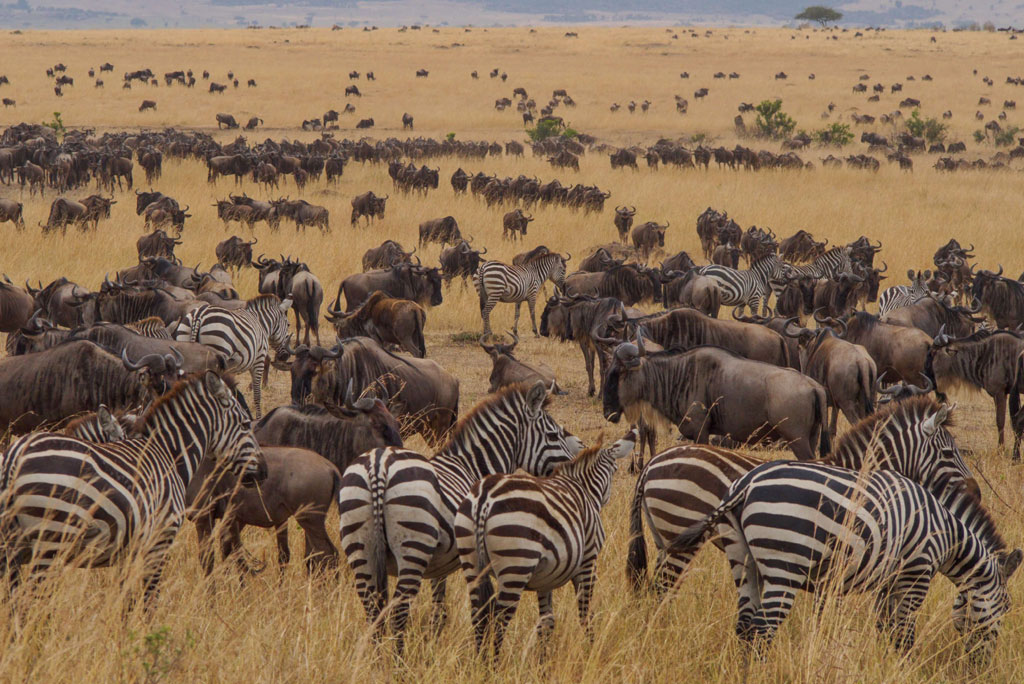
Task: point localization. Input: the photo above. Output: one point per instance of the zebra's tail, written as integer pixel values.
(378, 553)
(821, 418)
(694, 536)
(485, 588)
(194, 326)
(636, 556)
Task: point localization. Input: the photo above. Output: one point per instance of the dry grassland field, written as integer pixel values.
(285, 627)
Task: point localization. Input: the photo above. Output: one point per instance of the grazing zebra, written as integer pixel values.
(397, 505)
(63, 498)
(244, 336)
(899, 296)
(680, 486)
(497, 282)
(798, 525)
(535, 533)
(749, 287)
(829, 265)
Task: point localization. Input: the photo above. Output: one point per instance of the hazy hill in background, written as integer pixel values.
(29, 14)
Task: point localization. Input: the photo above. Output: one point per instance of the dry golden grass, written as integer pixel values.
(284, 628)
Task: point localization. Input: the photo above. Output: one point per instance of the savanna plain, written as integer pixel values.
(283, 626)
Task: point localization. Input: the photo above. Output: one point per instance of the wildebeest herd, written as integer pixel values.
(132, 384)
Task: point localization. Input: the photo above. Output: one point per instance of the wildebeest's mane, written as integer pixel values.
(984, 334)
(867, 321)
(502, 396)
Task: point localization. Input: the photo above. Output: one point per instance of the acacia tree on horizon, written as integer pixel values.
(821, 14)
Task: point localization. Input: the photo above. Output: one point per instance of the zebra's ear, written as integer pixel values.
(935, 421)
(112, 430)
(535, 398)
(286, 304)
(217, 388)
(624, 447)
(1009, 562)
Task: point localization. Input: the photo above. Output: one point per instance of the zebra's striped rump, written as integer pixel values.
(535, 533)
(804, 526)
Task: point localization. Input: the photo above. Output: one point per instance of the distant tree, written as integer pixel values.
(771, 121)
(137, 22)
(821, 14)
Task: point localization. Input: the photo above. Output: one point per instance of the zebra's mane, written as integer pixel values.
(963, 505)
(496, 399)
(911, 410)
(539, 257)
(250, 304)
(581, 462)
(179, 388)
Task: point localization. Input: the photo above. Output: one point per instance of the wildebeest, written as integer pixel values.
(407, 121)
(900, 353)
(600, 260)
(352, 90)
(932, 315)
(801, 246)
(624, 221)
(629, 283)
(514, 224)
(157, 244)
(226, 121)
(365, 123)
(386, 320)
(845, 370)
(305, 214)
(726, 255)
(443, 231)
(1001, 297)
(649, 236)
(987, 360)
(403, 281)
(253, 123)
(12, 211)
(711, 391)
(369, 206)
(585, 320)
(58, 383)
(418, 392)
(507, 370)
(695, 291)
(147, 104)
(66, 211)
(624, 157)
(234, 252)
(16, 306)
(460, 260)
(385, 255)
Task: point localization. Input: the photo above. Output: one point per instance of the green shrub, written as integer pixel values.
(979, 136)
(771, 121)
(931, 129)
(57, 124)
(550, 128)
(838, 134)
(1007, 136)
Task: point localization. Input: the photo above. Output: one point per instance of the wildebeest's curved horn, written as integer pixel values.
(789, 322)
(640, 341)
(632, 209)
(483, 252)
(568, 256)
(822, 321)
(487, 347)
(137, 365)
(1000, 271)
(876, 249)
(348, 394)
(176, 358)
(824, 244)
(975, 306)
(885, 390)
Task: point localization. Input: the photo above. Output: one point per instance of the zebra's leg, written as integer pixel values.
(776, 604)
(155, 560)
(515, 324)
(546, 624)
(669, 568)
(583, 582)
(745, 577)
(486, 307)
(439, 611)
(899, 605)
(509, 594)
(532, 303)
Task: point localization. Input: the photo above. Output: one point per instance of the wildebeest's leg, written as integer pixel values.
(438, 612)
(320, 552)
(588, 360)
(834, 421)
(1000, 400)
(204, 531)
(284, 554)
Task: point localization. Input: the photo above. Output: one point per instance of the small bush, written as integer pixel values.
(931, 129)
(838, 134)
(450, 137)
(550, 128)
(1007, 136)
(57, 124)
(771, 121)
(979, 136)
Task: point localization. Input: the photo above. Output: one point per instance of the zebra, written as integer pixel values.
(99, 426)
(879, 532)
(535, 533)
(244, 336)
(752, 286)
(829, 265)
(498, 282)
(396, 504)
(681, 485)
(93, 505)
(899, 296)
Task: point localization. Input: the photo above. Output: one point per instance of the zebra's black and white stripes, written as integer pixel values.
(802, 525)
(498, 282)
(752, 286)
(899, 296)
(63, 499)
(829, 265)
(535, 533)
(244, 336)
(681, 485)
(396, 504)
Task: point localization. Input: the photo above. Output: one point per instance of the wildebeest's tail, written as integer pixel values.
(312, 307)
(421, 344)
(636, 556)
(866, 383)
(821, 418)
